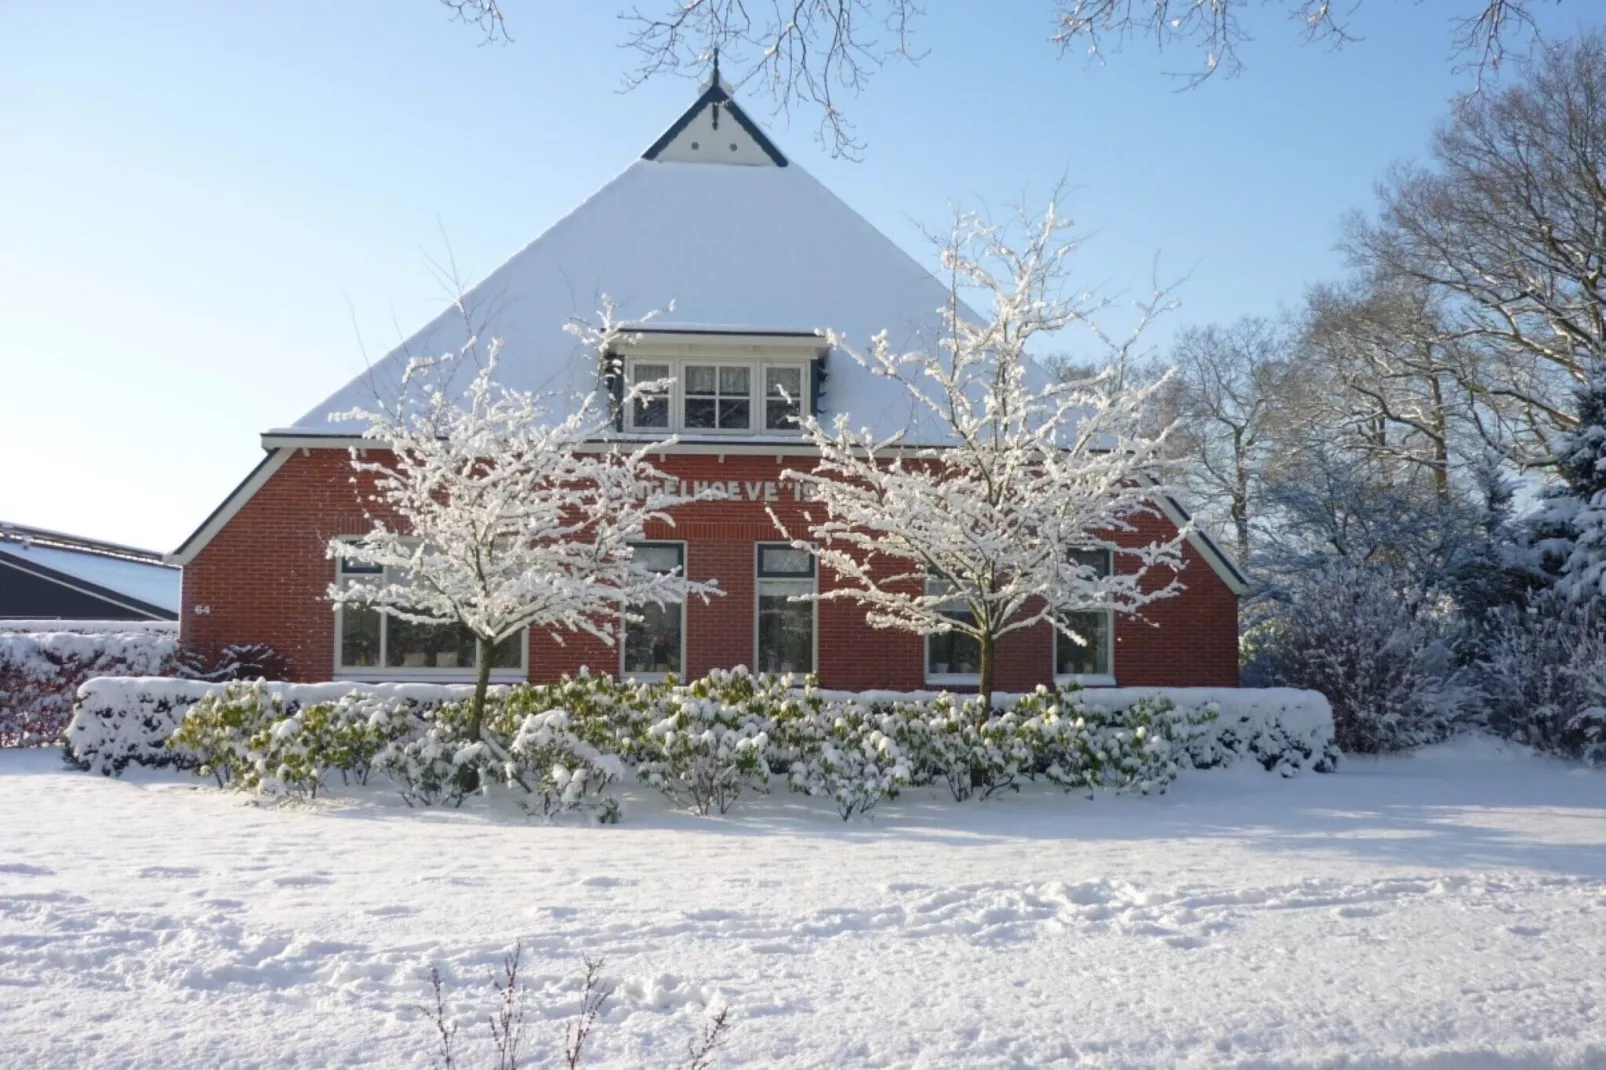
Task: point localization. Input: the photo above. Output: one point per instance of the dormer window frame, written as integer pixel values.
(758, 360)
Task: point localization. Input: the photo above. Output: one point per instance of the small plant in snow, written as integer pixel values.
(507, 1023)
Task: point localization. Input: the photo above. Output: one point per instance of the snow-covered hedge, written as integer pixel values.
(41, 671)
(122, 721)
(703, 744)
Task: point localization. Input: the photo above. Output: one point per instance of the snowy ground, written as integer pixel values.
(1446, 911)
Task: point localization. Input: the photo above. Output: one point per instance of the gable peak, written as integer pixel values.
(715, 130)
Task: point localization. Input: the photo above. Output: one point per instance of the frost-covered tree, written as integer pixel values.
(1583, 466)
(493, 511)
(1003, 525)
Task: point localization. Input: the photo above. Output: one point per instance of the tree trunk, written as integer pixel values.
(482, 683)
(984, 685)
(468, 778)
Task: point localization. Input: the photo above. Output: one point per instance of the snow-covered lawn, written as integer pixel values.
(1443, 910)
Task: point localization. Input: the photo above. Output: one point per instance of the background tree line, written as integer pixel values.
(1420, 442)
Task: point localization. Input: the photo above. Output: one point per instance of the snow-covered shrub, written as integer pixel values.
(708, 741)
(952, 740)
(41, 672)
(560, 771)
(261, 738)
(1381, 651)
(842, 750)
(1082, 747)
(1544, 677)
(121, 721)
(1283, 729)
(238, 661)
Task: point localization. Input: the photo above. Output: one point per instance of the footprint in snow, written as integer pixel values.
(1525, 930)
(23, 869)
(167, 872)
(397, 911)
(303, 880)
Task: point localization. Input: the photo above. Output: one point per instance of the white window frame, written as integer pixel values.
(961, 679)
(812, 581)
(669, 397)
(757, 385)
(1088, 679)
(624, 625)
(383, 673)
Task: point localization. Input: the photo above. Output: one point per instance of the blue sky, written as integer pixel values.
(209, 212)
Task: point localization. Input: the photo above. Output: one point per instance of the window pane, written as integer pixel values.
(359, 568)
(785, 628)
(783, 383)
(359, 638)
(651, 411)
(952, 653)
(662, 557)
(648, 373)
(781, 415)
(784, 561)
(653, 645)
(508, 653)
(733, 381)
(427, 646)
(700, 412)
(700, 379)
(1099, 559)
(734, 415)
(1072, 658)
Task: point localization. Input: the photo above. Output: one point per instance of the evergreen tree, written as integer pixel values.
(1583, 466)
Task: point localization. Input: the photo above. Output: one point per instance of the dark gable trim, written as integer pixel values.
(94, 590)
(716, 95)
(224, 504)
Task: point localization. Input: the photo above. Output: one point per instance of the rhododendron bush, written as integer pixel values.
(564, 748)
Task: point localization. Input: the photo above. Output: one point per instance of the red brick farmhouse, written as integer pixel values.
(759, 260)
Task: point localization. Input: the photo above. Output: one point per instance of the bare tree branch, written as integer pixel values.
(484, 15)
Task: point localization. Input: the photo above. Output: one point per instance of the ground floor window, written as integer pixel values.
(654, 644)
(1095, 628)
(785, 627)
(951, 654)
(369, 639)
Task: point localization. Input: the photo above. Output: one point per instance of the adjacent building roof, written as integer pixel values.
(68, 576)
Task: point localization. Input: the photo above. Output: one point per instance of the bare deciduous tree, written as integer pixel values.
(1381, 357)
(1229, 397)
(1506, 231)
(815, 52)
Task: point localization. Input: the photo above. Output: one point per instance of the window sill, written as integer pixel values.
(961, 679)
(429, 676)
(1101, 679)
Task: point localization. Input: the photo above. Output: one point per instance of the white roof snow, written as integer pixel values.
(146, 581)
(760, 247)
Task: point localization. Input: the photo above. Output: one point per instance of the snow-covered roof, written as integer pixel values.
(742, 240)
(139, 575)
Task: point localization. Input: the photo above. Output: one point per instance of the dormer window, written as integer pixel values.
(651, 409)
(718, 397)
(783, 397)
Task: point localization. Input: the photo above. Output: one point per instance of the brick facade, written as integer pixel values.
(263, 577)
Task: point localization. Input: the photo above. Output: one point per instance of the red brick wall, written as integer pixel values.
(264, 577)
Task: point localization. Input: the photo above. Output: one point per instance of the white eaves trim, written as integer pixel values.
(231, 505)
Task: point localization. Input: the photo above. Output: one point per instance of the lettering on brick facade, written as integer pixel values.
(763, 490)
